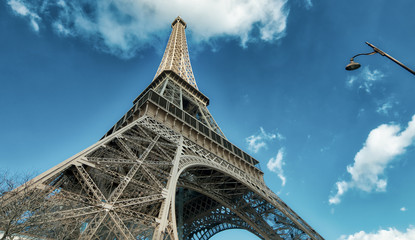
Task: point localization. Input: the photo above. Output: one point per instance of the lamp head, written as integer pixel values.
(352, 65)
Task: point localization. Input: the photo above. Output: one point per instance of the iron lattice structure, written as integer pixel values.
(176, 55)
(165, 170)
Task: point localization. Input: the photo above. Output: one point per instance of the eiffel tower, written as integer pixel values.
(165, 170)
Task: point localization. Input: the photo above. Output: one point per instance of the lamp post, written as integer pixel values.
(354, 65)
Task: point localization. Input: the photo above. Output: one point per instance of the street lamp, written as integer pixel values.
(354, 65)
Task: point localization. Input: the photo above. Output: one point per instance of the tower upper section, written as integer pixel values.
(176, 55)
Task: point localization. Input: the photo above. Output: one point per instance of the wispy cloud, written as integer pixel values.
(403, 209)
(365, 79)
(382, 146)
(388, 234)
(123, 27)
(386, 106)
(275, 165)
(260, 140)
(22, 9)
(308, 4)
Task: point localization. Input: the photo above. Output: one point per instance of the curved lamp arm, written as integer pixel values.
(371, 53)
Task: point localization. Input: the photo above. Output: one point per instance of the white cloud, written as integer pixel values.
(403, 209)
(388, 234)
(123, 27)
(280, 136)
(382, 146)
(60, 29)
(372, 75)
(61, 3)
(275, 165)
(386, 106)
(256, 142)
(342, 187)
(365, 79)
(308, 4)
(261, 140)
(34, 24)
(351, 80)
(21, 8)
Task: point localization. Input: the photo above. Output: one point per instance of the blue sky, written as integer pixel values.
(336, 146)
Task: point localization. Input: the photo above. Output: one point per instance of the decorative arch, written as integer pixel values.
(234, 213)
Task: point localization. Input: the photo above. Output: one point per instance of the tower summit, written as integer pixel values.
(176, 55)
(164, 171)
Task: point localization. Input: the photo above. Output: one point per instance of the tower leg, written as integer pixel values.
(167, 211)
